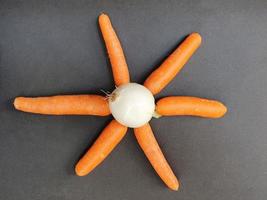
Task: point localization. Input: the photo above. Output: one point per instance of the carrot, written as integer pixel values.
(115, 52)
(105, 143)
(64, 105)
(193, 106)
(159, 78)
(148, 143)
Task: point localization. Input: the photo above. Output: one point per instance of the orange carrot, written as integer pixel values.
(105, 143)
(193, 106)
(115, 52)
(64, 105)
(148, 143)
(159, 78)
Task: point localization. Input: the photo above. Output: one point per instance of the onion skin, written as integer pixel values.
(132, 105)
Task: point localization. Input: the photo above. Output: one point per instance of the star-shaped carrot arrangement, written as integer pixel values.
(132, 105)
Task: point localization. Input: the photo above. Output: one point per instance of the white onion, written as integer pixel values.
(132, 105)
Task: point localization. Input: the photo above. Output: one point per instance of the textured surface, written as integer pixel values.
(54, 47)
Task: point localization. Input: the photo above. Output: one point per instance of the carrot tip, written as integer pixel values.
(16, 103)
(174, 186)
(103, 16)
(224, 110)
(197, 35)
(78, 171)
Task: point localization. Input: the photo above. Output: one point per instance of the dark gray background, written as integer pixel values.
(54, 47)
